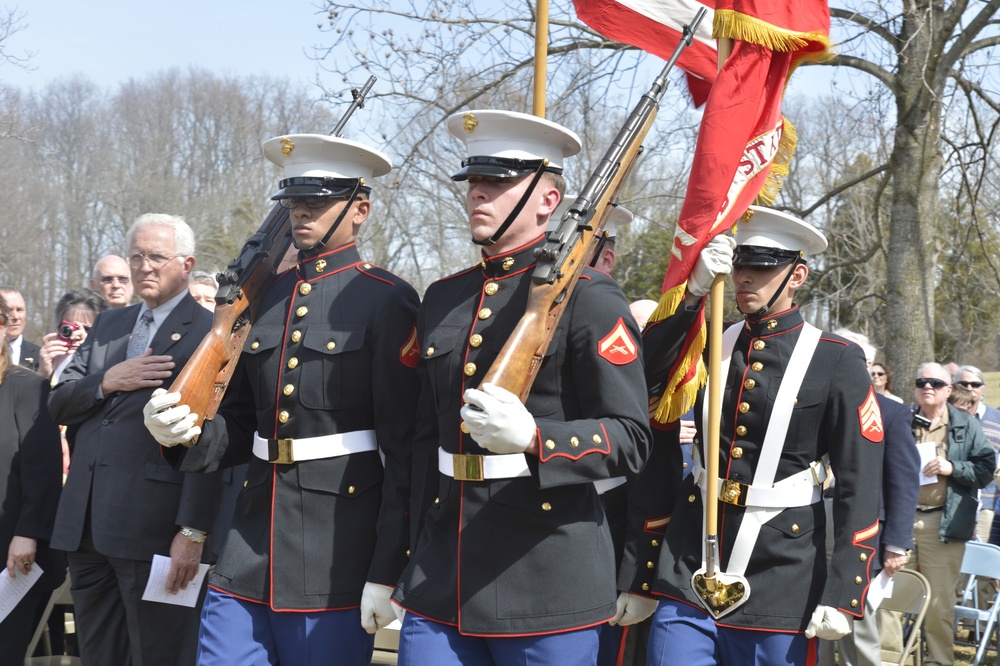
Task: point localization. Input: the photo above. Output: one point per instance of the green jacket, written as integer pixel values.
(974, 461)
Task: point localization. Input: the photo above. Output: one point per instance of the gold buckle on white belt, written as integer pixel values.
(467, 467)
(279, 451)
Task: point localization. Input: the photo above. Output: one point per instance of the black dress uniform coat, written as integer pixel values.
(331, 351)
(532, 554)
(835, 413)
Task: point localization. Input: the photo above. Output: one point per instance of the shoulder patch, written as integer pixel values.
(870, 418)
(617, 346)
(410, 352)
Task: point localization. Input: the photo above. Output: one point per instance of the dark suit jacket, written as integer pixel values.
(137, 501)
(29, 354)
(900, 475)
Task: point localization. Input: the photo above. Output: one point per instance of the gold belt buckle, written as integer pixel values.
(733, 492)
(467, 467)
(279, 451)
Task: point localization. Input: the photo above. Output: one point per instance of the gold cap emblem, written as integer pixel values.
(320, 265)
(470, 123)
(287, 146)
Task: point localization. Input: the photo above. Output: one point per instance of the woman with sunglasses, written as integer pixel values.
(882, 380)
(30, 482)
(75, 313)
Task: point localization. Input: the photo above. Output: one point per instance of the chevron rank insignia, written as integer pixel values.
(409, 353)
(617, 346)
(870, 418)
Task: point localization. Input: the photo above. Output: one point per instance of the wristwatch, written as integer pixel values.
(195, 536)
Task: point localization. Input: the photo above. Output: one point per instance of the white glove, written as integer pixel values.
(399, 611)
(632, 608)
(716, 258)
(497, 420)
(170, 424)
(828, 624)
(376, 609)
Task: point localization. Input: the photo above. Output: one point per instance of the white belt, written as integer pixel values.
(463, 467)
(286, 451)
(604, 485)
(800, 489)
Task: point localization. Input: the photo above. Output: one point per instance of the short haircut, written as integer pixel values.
(968, 368)
(183, 235)
(7, 289)
(859, 339)
(203, 277)
(931, 364)
(82, 298)
(558, 182)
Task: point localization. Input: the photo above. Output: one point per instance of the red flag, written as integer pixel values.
(655, 26)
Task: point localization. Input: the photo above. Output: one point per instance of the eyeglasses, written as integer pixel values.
(973, 385)
(156, 261)
(878, 374)
(120, 279)
(924, 382)
(312, 203)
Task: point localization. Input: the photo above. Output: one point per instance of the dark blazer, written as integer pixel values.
(900, 475)
(29, 354)
(31, 460)
(137, 501)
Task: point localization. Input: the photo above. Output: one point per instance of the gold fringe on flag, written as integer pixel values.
(735, 25)
(679, 398)
(779, 167)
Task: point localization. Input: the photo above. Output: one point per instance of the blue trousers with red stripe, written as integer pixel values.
(682, 634)
(423, 642)
(234, 631)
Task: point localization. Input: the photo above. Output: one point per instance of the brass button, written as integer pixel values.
(684, 465)
(430, 351)
(597, 439)
(470, 369)
(795, 529)
(508, 263)
(283, 416)
(296, 336)
(254, 345)
(656, 544)
(293, 363)
(650, 565)
(645, 587)
(491, 288)
(546, 506)
(437, 500)
(758, 344)
(350, 490)
(854, 603)
(301, 311)
(773, 324)
(573, 441)
(407, 552)
(475, 340)
(331, 345)
(756, 366)
(737, 451)
(741, 430)
(288, 390)
(744, 407)
(464, 428)
(549, 444)
(305, 288)
(485, 313)
(691, 499)
(245, 483)
(857, 580)
(366, 266)
(749, 384)
(864, 557)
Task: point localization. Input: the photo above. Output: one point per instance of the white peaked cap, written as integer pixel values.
(771, 228)
(513, 135)
(324, 156)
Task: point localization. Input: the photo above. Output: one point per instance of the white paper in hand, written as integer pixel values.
(12, 590)
(156, 586)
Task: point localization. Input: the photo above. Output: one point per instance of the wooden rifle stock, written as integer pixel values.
(569, 249)
(204, 379)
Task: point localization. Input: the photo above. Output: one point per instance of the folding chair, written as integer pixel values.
(386, 645)
(911, 595)
(60, 596)
(982, 560)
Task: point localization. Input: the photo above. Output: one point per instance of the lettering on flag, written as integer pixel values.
(410, 352)
(617, 346)
(870, 418)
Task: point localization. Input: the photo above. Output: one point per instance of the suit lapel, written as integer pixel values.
(174, 327)
(118, 339)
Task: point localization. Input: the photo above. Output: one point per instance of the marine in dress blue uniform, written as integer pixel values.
(322, 407)
(834, 416)
(514, 558)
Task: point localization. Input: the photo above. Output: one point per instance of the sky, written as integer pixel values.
(110, 41)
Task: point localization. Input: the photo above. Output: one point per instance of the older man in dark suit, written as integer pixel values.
(122, 503)
(22, 352)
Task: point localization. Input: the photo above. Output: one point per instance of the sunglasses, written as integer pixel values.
(974, 385)
(924, 382)
(111, 279)
(878, 374)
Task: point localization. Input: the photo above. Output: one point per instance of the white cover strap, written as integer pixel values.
(285, 451)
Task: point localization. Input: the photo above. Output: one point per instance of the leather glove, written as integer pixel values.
(170, 424)
(716, 258)
(828, 624)
(632, 608)
(376, 609)
(497, 420)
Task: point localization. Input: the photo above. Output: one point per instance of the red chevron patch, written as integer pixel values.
(870, 417)
(618, 346)
(410, 352)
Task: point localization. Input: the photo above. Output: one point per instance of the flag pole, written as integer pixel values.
(541, 57)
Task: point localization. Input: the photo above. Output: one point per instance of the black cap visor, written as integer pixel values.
(498, 167)
(763, 257)
(308, 186)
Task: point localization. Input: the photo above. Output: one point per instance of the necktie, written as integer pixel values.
(140, 336)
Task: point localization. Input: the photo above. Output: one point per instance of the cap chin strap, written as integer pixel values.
(336, 223)
(517, 209)
(774, 296)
